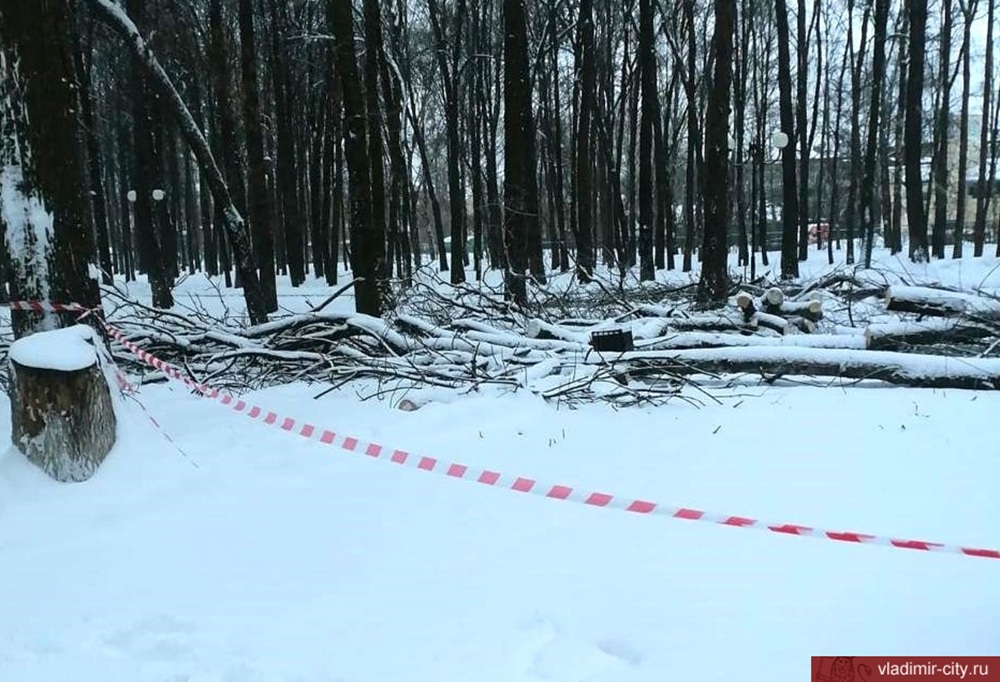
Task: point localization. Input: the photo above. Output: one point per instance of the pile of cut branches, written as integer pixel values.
(443, 337)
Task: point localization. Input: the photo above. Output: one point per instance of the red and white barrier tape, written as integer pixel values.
(48, 307)
(493, 478)
(129, 390)
(523, 484)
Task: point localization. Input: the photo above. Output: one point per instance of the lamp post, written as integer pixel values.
(779, 141)
(789, 206)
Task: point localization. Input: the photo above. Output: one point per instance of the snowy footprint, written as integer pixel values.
(551, 654)
(161, 638)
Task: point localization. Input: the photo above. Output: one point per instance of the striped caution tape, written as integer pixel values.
(49, 307)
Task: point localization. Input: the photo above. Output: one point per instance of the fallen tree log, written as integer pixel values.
(62, 416)
(538, 329)
(904, 369)
(941, 303)
(713, 323)
(896, 335)
(693, 340)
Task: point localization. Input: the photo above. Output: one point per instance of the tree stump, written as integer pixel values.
(62, 414)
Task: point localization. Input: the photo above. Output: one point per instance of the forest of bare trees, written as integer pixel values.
(446, 161)
(520, 136)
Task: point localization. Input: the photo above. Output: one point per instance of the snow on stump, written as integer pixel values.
(62, 414)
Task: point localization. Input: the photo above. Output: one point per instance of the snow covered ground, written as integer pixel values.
(262, 557)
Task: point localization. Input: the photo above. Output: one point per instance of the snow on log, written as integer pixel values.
(940, 303)
(906, 369)
(691, 340)
(808, 310)
(713, 323)
(62, 415)
(773, 322)
(537, 329)
(895, 335)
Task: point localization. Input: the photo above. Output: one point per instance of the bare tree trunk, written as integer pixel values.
(694, 138)
(587, 74)
(874, 119)
(968, 9)
(520, 189)
(367, 240)
(740, 63)
(145, 120)
(802, 82)
(285, 173)
(450, 76)
(399, 217)
(714, 282)
(647, 74)
(790, 208)
(942, 134)
(374, 56)
(259, 206)
(853, 213)
(46, 218)
(916, 217)
(900, 129)
(84, 57)
(985, 185)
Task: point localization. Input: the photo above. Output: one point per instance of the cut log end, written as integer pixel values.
(774, 296)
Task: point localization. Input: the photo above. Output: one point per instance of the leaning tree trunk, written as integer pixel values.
(112, 15)
(64, 426)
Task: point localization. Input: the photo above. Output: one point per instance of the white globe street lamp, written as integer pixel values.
(158, 195)
(131, 196)
(780, 140)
